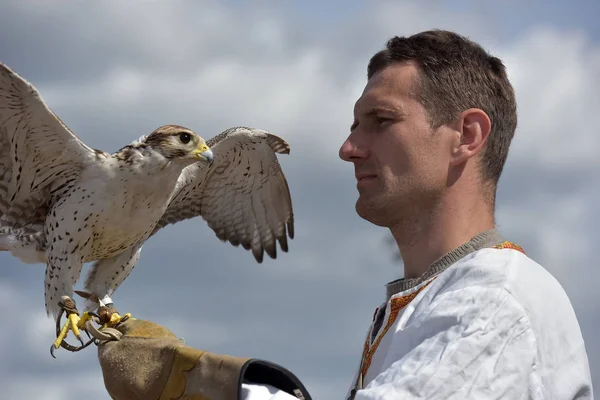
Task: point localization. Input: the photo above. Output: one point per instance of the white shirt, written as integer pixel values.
(494, 325)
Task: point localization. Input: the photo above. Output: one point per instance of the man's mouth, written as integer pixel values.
(365, 177)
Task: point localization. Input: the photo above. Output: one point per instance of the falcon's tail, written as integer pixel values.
(4, 244)
(26, 247)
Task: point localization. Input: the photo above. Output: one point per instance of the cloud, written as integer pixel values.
(77, 385)
(210, 66)
(556, 78)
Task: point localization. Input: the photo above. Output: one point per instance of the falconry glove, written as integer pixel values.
(150, 362)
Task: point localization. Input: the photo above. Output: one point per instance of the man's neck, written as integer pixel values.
(436, 232)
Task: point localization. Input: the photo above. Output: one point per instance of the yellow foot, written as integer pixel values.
(108, 330)
(108, 315)
(116, 319)
(74, 323)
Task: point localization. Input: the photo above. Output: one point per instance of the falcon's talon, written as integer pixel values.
(74, 323)
(70, 347)
(116, 319)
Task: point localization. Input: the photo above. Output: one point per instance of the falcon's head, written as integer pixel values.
(176, 142)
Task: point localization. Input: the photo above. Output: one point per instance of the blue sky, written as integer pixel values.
(116, 71)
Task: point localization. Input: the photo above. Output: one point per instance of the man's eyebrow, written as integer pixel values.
(384, 109)
(379, 109)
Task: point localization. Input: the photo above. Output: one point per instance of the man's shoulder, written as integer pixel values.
(534, 293)
(504, 267)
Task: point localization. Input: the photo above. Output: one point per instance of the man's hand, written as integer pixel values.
(150, 362)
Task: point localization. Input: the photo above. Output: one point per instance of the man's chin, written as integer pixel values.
(369, 211)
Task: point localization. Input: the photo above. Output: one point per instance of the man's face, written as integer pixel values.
(400, 162)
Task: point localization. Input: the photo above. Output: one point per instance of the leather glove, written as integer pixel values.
(149, 362)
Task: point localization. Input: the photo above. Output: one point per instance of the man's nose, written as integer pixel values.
(351, 150)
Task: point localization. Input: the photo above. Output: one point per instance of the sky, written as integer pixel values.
(114, 71)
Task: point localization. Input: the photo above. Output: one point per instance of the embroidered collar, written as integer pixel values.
(489, 238)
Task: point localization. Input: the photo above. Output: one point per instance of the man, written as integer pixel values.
(473, 317)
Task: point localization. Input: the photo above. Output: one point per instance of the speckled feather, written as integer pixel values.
(244, 197)
(63, 203)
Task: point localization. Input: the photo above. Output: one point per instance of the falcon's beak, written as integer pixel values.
(204, 153)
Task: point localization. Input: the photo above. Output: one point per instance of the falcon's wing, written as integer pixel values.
(38, 153)
(244, 196)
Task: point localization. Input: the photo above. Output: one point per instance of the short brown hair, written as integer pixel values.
(457, 74)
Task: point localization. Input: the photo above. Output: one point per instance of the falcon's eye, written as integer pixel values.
(185, 137)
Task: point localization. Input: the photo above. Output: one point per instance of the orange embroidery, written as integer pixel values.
(509, 245)
(396, 306)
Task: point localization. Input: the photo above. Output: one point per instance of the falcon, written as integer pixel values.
(63, 203)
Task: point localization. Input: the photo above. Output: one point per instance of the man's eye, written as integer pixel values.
(381, 120)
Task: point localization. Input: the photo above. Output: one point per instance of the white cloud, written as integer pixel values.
(81, 385)
(291, 97)
(556, 77)
(561, 241)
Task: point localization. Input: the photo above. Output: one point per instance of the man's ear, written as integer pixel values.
(474, 125)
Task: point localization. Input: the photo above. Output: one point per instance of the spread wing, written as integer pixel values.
(244, 196)
(38, 153)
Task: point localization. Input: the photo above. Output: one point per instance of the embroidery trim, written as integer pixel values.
(396, 305)
(509, 245)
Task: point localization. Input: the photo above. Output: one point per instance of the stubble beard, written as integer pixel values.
(401, 211)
